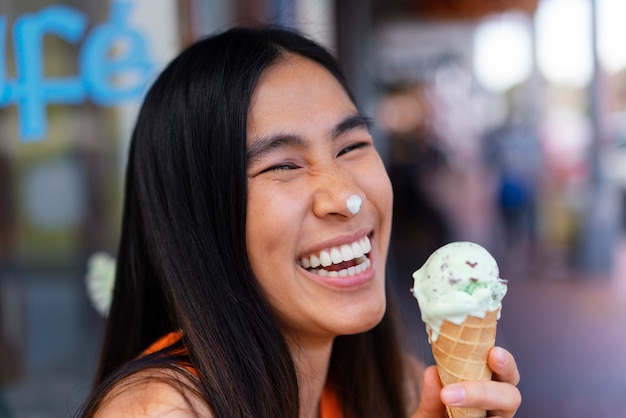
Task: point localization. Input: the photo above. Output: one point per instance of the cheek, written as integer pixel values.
(378, 188)
(271, 223)
(258, 220)
(386, 191)
(271, 237)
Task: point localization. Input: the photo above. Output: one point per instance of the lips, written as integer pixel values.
(342, 261)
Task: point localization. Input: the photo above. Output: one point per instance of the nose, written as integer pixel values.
(337, 194)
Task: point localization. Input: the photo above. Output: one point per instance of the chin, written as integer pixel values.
(364, 320)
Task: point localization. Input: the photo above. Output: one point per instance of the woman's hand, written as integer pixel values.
(499, 396)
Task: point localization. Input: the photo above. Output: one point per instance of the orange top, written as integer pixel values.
(164, 342)
(330, 407)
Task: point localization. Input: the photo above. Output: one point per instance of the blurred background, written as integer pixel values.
(501, 122)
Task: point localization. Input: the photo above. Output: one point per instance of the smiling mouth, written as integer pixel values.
(342, 261)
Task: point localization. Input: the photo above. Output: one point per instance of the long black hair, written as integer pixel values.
(182, 260)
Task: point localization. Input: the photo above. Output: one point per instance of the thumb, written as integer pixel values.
(430, 405)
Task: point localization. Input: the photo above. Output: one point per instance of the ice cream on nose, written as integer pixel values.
(354, 203)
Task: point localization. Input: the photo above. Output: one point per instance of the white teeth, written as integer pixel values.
(367, 246)
(347, 253)
(336, 255)
(357, 249)
(325, 259)
(350, 271)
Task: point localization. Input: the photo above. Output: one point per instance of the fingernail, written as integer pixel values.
(453, 395)
(500, 355)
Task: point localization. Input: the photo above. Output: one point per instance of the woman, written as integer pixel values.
(255, 234)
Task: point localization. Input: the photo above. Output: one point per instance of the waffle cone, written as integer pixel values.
(461, 351)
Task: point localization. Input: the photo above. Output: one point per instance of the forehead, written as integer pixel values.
(291, 70)
(296, 90)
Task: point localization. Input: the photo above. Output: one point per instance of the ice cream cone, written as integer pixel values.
(459, 291)
(461, 351)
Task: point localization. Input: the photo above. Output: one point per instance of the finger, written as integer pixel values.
(430, 405)
(503, 366)
(502, 399)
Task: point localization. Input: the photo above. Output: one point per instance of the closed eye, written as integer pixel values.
(353, 147)
(280, 167)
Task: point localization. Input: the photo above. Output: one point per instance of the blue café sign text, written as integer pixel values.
(98, 65)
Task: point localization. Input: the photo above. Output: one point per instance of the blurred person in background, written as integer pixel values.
(513, 152)
(249, 163)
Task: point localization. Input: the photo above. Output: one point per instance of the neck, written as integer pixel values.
(311, 360)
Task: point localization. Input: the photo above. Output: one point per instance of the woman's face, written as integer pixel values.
(309, 151)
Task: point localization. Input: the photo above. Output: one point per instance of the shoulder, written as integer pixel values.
(154, 393)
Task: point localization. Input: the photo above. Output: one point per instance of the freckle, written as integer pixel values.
(472, 265)
(473, 279)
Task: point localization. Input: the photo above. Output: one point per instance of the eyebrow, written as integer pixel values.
(266, 144)
(356, 121)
